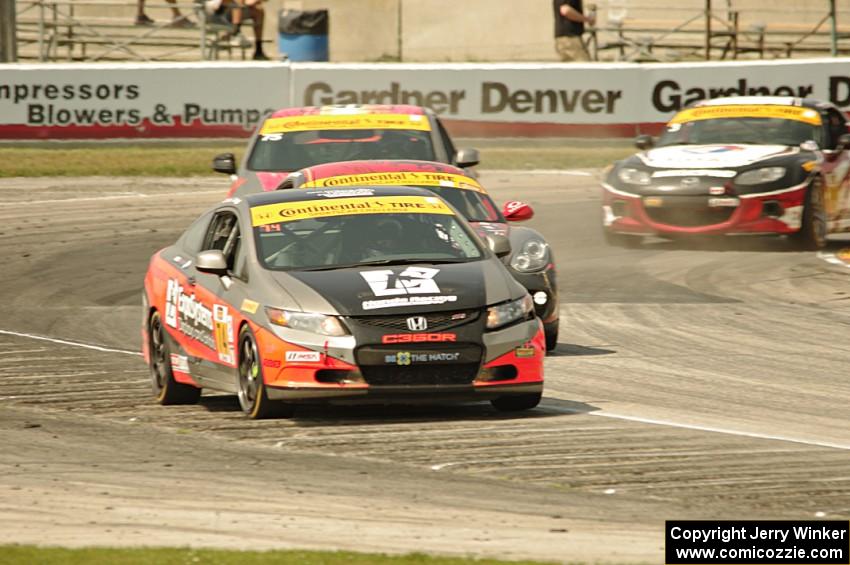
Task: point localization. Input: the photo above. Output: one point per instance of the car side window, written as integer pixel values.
(224, 235)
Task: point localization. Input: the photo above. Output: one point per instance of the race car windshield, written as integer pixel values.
(296, 150)
(475, 206)
(346, 241)
(740, 131)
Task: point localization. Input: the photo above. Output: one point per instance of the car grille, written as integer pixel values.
(421, 375)
(437, 321)
(689, 218)
(688, 211)
(397, 366)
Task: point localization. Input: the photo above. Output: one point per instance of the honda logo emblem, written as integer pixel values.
(689, 182)
(417, 324)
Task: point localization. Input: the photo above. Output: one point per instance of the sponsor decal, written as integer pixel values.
(723, 202)
(418, 338)
(410, 357)
(694, 173)
(303, 357)
(249, 306)
(712, 149)
(272, 363)
(223, 333)
(180, 363)
(290, 124)
(524, 352)
(408, 301)
(797, 113)
(188, 315)
(397, 179)
(292, 211)
(716, 190)
(653, 202)
(411, 281)
(342, 193)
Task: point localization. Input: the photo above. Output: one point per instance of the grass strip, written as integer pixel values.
(187, 159)
(30, 555)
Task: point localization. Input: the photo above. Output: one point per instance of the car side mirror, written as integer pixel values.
(516, 211)
(467, 157)
(500, 245)
(843, 142)
(211, 261)
(644, 142)
(225, 163)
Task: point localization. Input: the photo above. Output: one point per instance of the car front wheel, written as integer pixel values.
(812, 234)
(251, 389)
(551, 333)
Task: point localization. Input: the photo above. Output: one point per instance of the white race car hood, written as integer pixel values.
(710, 156)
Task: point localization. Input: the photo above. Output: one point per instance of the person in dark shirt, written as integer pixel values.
(570, 20)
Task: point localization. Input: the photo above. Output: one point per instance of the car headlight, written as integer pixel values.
(630, 175)
(306, 322)
(504, 314)
(533, 256)
(760, 176)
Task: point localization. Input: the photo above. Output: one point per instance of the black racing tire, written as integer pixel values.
(812, 233)
(517, 402)
(167, 390)
(250, 386)
(550, 331)
(615, 239)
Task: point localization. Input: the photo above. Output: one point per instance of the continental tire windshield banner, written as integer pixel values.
(89, 101)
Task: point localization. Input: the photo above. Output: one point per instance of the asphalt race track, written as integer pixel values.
(700, 380)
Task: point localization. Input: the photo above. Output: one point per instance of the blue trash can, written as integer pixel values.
(303, 34)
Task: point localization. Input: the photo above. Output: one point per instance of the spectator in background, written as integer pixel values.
(569, 27)
(179, 20)
(233, 13)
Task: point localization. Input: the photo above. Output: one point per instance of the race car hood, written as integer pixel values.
(491, 228)
(402, 289)
(710, 156)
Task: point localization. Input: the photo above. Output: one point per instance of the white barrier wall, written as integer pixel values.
(92, 101)
(226, 100)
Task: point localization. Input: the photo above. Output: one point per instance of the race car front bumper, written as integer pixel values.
(509, 361)
(543, 288)
(774, 212)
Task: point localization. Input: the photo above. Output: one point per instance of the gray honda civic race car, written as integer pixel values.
(310, 295)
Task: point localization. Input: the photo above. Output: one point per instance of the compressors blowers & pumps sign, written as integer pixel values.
(91, 101)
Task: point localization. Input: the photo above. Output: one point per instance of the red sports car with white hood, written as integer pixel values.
(738, 165)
